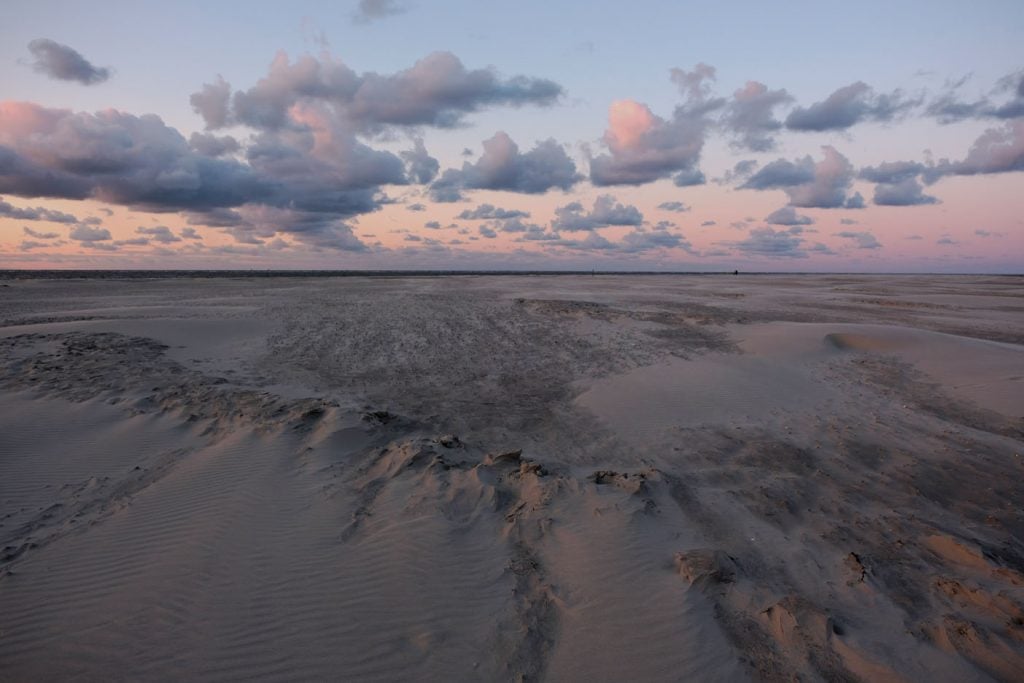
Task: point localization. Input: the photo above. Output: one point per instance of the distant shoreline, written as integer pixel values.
(26, 274)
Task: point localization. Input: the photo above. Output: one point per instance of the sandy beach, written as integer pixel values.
(530, 477)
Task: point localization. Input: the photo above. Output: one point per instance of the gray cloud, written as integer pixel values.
(372, 10)
(751, 116)
(772, 243)
(307, 180)
(420, 166)
(848, 106)
(39, 235)
(503, 167)
(997, 150)
(491, 212)
(809, 184)
(592, 242)
(606, 212)
(948, 107)
(487, 232)
(65, 64)
(892, 172)
(787, 215)
(639, 241)
(740, 171)
(416, 207)
(862, 240)
(436, 91)
(677, 207)
(644, 147)
(87, 233)
(432, 225)
(158, 233)
(37, 213)
(213, 145)
(213, 103)
(906, 192)
(190, 234)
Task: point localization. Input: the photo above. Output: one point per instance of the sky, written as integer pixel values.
(406, 134)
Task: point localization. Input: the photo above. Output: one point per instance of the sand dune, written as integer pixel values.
(513, 478)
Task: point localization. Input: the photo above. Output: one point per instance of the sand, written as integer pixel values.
(512, 478)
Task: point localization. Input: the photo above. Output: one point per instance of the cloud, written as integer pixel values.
(213, 145)
(907, 192)
(979, 233)
(487, 232)
(862, 240)
(892, 172)
(751, 116)
(848, 106)
(432, 225)
(310, 178)
(787, 215)
(416, 207)
(809, 184)
(37, 213)
(639, 241)
(606, 212)
(707, 224)
(644, 147)
(490, 212)
(677, 207)
(420, 166)
(213, 103)
(948, 107)
(740, 171)
(87, 233)
(436, 91)
(855, 201)
(946, 241)
(772, 243)
(535, 233)
(592, 242)
(516, 225)
(190, 234)
(113, 157)
(158, 233)
(372, 10)
(997, 150)
(503, 167)
(64, 64)
(39, 235)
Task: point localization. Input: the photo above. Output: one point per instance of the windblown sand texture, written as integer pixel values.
(489, 478)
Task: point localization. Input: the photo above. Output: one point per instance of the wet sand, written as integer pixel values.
(512, 478)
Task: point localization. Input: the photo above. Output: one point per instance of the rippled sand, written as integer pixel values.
(512, 477)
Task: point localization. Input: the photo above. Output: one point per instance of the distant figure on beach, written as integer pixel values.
(735, 272)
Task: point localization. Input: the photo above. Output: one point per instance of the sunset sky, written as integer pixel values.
(794, 136)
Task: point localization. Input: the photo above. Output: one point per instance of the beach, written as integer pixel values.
(512, 477)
